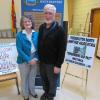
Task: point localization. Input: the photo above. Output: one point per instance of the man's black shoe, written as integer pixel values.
(26, 99)
(43, 97)
(50, 97)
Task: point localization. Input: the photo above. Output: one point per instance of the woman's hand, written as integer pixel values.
(56, 70)
(32, 62)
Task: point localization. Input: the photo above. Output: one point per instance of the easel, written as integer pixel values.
(86, 79)
(10, 77)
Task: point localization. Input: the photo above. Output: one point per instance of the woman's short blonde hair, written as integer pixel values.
(28, 17)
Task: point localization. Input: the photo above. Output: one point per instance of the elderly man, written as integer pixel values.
(51, 51)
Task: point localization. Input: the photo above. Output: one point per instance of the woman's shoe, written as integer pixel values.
(26, 99)
(34, 96)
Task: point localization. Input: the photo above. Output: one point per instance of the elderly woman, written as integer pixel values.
(51, 51)
(26, 43)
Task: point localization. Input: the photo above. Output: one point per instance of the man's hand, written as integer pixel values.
(56, 70)
(32, 62)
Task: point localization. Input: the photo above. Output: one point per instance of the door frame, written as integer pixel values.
(91, 16)
(91, 21)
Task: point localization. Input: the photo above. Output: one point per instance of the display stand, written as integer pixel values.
(83, 79)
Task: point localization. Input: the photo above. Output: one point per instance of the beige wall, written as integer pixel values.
(5, 13)
(65, 10)
(80, 10)
(70, 12)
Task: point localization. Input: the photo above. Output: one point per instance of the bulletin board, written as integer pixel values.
(34, 8)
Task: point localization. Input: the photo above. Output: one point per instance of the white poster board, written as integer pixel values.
(80, 50)
(8, 55)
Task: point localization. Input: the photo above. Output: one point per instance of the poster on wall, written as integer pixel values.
(34, 8)
(38, 5)
(80, 51)
(8, 55)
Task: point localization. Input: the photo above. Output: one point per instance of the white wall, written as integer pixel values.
(5, 13)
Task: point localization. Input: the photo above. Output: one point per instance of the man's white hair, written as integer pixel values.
(50, 8)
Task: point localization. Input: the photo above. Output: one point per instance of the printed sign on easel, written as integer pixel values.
(80, 50)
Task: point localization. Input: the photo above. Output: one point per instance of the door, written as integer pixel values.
(95, 28)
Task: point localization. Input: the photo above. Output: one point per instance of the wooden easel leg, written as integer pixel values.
(65, 74)
(86, 85)
(82, 77)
